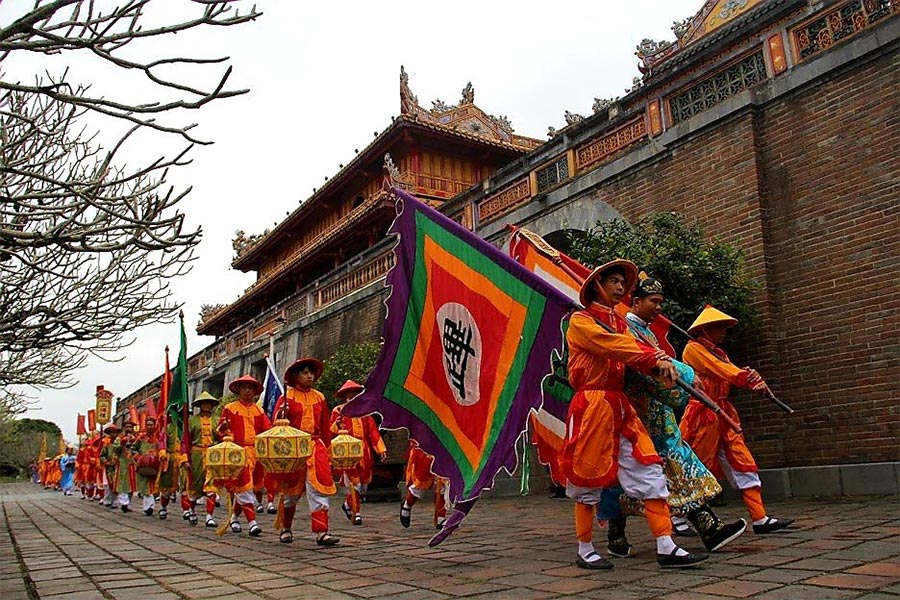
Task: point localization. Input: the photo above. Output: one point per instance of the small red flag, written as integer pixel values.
(79, 428)
(92, 419)
(133, 415)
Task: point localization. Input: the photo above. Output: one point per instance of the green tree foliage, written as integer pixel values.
(695, 271)
(20, 441)
(351, 362)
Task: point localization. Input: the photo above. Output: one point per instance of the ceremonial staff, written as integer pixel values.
(552, 253)
(768, 392)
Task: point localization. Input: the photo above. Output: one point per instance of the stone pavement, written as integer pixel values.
(63, 547)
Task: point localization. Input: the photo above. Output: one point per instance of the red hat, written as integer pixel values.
(298, 364)
(350, 388)
(245, 379)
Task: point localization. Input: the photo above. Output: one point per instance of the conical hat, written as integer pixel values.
(205, 397)
(708, 315)
(631, 276)
(350, 388)
(258, 387)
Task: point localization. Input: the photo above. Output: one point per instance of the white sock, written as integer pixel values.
(252, 523)
(585, 548)
(765, 520)
(665, 545)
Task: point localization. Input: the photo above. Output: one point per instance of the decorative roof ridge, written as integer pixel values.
(696, 33)
(445, 115)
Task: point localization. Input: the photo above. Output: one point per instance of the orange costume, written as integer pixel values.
(600, 411)
(307, 410)
(722, 450)
(244, 419)
(419, 479)
(356, 479)
(700, 426)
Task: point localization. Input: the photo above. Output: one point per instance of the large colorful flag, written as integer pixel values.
(178, 405)
(273, 388)
(467, 341)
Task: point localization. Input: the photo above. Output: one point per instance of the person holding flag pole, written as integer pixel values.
(605, 440)
(724, 451)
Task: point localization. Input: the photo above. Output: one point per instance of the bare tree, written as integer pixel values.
(87, 244)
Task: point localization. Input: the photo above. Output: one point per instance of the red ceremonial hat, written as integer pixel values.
(298, 364)
(350, 388)
(245, 379)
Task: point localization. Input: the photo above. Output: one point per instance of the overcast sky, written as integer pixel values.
(324, 77)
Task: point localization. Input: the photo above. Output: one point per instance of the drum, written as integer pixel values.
(148, 465)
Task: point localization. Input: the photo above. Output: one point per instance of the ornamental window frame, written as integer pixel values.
(757, 50)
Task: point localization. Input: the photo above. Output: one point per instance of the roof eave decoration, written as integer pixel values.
(711, 16)
(464, 116)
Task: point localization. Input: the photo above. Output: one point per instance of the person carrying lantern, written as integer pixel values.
(356, 479)
(243, 419)
(305, 408)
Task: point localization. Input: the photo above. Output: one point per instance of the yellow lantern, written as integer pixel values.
(226, 459)
(283, 449)
(346, 450)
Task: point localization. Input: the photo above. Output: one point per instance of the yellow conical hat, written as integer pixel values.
(708, 315)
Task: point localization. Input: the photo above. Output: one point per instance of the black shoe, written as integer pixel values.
(125, 509)
(286, 536)
(618, 544)
(357, 520)
(405, 515)
(271, 509)
(347, 512)
(327, 540)
(671, 561)
(724, 534)
(163, 514)
(148, 512)
(192, 518)
(620, 548)
(772, 524)
(597, 562)
(255, 530)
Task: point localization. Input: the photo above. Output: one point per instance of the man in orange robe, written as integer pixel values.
(356, 478)
(722, 450)
(605, 440)
(307, 410)
(420, 479)
(244, 419)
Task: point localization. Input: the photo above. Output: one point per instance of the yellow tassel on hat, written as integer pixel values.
(708, 315)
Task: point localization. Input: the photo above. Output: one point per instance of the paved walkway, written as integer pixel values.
(63, 547)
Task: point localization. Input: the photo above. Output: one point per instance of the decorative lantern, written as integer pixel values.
(226, 459)
(346, 450)
(283, 449)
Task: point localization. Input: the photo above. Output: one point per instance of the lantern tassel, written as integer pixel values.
(279, 516)
(226, 523)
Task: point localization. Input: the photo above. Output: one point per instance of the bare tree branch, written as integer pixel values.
(87, 244)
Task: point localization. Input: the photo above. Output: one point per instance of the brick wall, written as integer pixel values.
(807, 187)
(830, 157)
(359, 322)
